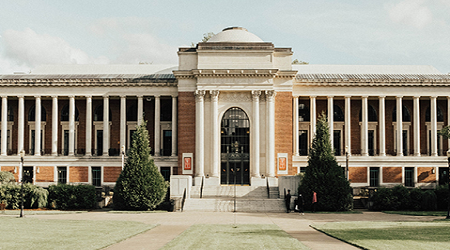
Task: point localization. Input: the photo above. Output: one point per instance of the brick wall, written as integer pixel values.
(78, 174)
(46, 174)
(186, 126)
(11, 170)
(110, 174)
(283, 127)
(357, 174)
(392, 175)
(425, 175)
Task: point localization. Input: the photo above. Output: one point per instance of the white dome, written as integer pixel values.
(235, 35)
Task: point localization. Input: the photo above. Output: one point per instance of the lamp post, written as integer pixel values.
(347, 155)
(22, 153)
(123, 155)
(448, 181)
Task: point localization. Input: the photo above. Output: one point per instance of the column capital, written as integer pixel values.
(123, 96)
(416, 96)
(37, 96)
(71, 96)
(157, 96)
(381, 96)
(296, 96)
(256, 94)
(270, 95)
(399, 97)
(174, 95)
(214, 95)
(348, 96)
(22, 96)
(330, 96)
(4, 96)
(88, 96)
(54, 96)
(105, 96)
(140, 96)
(312, 96)
(199, 95)
(364, 96)
(433, 97)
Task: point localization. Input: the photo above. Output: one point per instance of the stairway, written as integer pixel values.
(221, 199)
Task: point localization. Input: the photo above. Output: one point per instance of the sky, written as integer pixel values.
(352, 32)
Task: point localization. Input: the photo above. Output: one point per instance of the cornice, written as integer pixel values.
(85, 82)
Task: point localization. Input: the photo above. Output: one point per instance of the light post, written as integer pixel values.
(448, 181)
(22, 153)
(347, 156)
(123, 155)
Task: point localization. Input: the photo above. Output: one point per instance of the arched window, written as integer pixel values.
(373, 117)
(65, 114)
(303, 113)
(406, 116)
(10, 113)
(32, 114)
(440, 115)
(98, 114)
(132, 113)
(338, 114)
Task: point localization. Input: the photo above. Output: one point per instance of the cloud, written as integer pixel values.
(31, 49)
(411, 12)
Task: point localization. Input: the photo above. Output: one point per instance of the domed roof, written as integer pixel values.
(235, 35)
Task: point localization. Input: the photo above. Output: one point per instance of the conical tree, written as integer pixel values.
(323, 174)
(140, 186)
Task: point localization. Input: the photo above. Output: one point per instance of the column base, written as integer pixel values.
(273, 181)
(198, 181)
(258, 181)
(212, 181)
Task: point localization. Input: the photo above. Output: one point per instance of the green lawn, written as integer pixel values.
(261, 236)
(418, 213)
(391, 235)
(33, 233)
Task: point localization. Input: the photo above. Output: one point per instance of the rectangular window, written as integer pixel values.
(99, 142)
(405, 142)
(167, 143)
(96, 176)
(371, 142)
(443, 176)
(337, 142)
(165, 172)
(62, 175)
(66, 142)
(409, 177)
(303, 142)
(374, 176)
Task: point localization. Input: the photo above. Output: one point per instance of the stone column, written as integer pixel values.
(364, 127)
(448, 119)
(382, 125)
(54, 125)
(157, 125)
(313, 118)
(140, 110)
(199, 135)
(399, 126)
(215, 128)
(433, 126)
(174, 125)
(88, 125)
(4, 142)
(37, 127)
(331, 120)
(348, 119)
(21, 125)
(105, 125)
(255, 135)
(123, 122)
(71, 125)
(416, 125)
(270, 98)
(295, 127)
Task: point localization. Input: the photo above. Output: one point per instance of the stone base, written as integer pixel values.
(198, 181)
(212, 181)
(273, 181)
(258, 182)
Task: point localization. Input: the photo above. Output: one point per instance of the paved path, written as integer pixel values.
(170, 225)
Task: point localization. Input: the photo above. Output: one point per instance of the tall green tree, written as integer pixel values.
(324, 175)
(140, 186)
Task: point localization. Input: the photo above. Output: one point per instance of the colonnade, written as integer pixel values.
(89, 124)
(365, 121)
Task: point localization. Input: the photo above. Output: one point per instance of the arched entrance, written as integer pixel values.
(235, 148)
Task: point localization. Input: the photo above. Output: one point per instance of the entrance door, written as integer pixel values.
(235, 148)
(27, 175)
(99, 142)
(443, 176)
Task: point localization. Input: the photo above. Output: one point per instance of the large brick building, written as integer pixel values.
(233, 104)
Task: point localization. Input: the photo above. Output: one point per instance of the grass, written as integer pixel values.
(336, 212)
(33, 233)
(36, 212)
(391, 235)
(135, 212)
(418, 213)
(261, 236)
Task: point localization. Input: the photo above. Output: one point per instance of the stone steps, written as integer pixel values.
(231, 191)
(227, 205)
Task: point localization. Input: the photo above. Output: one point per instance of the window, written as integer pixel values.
(303, 113)
(406, 116)
(372, 115)
(62, 175)
(303, 142)
(371, 142)
(96, 176)
(409, 177)
(165, 172)
(337, 142)
(167, 143)
(374, 176)
(132, 113)
(32, 114)
(65, 114)
(338, 114)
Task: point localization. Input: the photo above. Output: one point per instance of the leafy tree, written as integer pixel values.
(140, 186)
(6, 177)
(297, 62)
(323, 174)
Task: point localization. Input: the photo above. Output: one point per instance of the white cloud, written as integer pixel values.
(32, 49)
(411, 12)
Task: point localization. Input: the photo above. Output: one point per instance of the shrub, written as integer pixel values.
(415, 201)
(401, 199)
(34, 196)
(140, 186)
(65, 196)
(442, 197)
(6, 177)
(383, 199)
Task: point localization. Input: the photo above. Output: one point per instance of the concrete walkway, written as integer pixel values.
(170, 225)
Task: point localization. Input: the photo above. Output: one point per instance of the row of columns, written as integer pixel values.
(365, 120)
(106, 130)
(255, 133)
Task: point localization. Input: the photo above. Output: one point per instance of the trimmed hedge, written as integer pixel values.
(416, 199)
(64, 196)
(34, 196)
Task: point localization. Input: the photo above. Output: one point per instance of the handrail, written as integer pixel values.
(268, 188)
(201, 188)
(183, 200)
